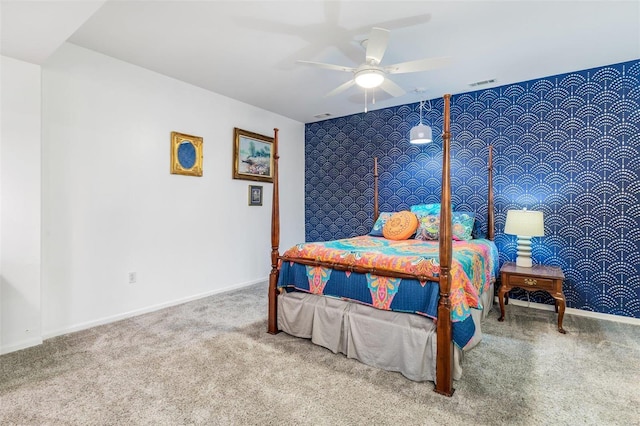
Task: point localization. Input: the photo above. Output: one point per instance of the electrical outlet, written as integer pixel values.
(132, 278)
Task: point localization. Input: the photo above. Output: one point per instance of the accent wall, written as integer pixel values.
(567, 145)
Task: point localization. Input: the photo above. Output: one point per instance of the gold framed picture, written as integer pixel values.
(252, 156)
(255, 195)
(186, 154)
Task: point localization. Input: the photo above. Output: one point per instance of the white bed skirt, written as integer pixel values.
(392, 341)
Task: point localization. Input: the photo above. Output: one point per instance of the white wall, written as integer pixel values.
(111, 207)
(19, 205)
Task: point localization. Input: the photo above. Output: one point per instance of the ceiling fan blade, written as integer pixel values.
(392, 88)
(377, 44)
(340, 88)
(417, 66)
(327, 66)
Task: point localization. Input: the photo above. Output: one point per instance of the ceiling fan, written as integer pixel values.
(371, 74)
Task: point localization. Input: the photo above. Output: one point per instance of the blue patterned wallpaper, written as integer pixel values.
(568, 145)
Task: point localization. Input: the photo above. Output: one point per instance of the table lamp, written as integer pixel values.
(525, 224)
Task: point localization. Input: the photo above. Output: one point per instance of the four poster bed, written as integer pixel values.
(440, 281)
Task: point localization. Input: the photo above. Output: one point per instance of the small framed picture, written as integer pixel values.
(252, 156)
(186, 154)
(255, 195)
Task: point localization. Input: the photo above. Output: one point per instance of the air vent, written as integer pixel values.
(323, 115)
(482, 82)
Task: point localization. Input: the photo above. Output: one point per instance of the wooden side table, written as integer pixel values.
(538, 277)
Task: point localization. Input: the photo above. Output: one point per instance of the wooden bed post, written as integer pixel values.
(272, 323)
(376, 213)
(490, 212)
(444, 357)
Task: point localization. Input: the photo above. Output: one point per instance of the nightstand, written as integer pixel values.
(538, 277)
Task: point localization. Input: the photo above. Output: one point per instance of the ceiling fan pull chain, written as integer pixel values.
(365, 100)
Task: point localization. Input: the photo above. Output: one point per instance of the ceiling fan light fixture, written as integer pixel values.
(421, 134)
(369, 78)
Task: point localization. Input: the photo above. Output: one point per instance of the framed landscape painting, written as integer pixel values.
(252, 156)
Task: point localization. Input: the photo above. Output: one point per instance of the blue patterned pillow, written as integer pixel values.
(376, 231)
(428, 227)
(478, 232)
(462, 225)
(426, 209)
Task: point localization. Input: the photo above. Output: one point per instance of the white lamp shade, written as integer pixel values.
(524, 222)
(369, 78)
(420, 134)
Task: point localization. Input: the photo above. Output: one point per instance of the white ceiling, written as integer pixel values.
(32, 30)
(247, 49)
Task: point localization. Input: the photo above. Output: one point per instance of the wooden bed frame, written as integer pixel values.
(444, 356)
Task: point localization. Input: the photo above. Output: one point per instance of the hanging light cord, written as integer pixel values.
(422, 102)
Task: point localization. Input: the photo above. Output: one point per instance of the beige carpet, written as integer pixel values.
(210, 362)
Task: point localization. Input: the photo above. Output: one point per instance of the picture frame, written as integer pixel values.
(186, 154)
(252, 156)
(255, 195)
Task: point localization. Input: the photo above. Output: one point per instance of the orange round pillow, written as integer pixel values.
(400, 226)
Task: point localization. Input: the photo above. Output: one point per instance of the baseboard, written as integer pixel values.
(24, 344)
(130, 314)
(573, 311)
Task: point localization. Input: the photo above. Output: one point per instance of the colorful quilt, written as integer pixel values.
(473, 268)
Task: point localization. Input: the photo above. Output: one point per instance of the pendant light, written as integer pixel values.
(421, 133)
